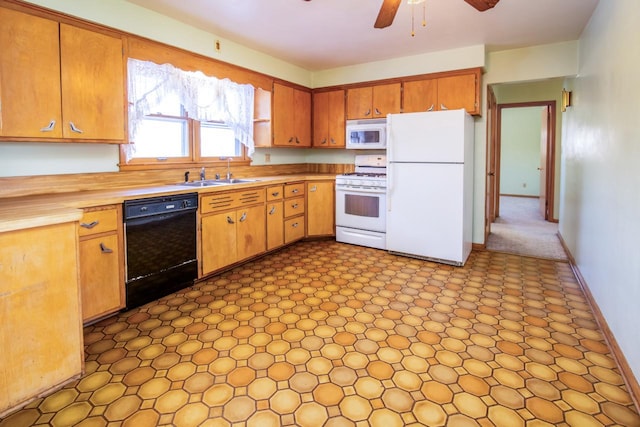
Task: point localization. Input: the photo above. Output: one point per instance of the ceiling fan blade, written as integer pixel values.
(482, 5)
(387, 13)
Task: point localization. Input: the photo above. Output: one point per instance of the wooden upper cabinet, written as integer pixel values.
(29, 79)
(443, 93)
(457, 92)
(420, 95)
(54, 75)
(291, 117)
(92, 84)
(373, 101)
(329, 119)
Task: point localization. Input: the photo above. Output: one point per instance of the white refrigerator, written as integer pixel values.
(430, 185)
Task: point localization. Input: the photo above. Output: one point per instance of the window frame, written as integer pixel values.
(194, 159)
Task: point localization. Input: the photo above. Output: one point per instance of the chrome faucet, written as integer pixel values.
(228, 168)
(202, 174)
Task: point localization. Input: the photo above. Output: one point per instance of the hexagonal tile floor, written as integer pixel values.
(327, 334)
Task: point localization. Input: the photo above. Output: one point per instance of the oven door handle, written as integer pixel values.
(360, 190)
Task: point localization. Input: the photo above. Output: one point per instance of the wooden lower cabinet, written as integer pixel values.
(294, 229)
(101, 290)
(234, 234)
(251, 233)
(275, 225)
(321, 211)
(101, 262)
(41, 333)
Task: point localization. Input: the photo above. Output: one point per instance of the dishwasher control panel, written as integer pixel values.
(158, 205)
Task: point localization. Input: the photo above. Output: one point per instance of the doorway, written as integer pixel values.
(521, 178)
(526, 169)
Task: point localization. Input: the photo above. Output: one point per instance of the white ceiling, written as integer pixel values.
(323, 34)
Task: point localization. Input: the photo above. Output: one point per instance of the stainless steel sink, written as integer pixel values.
(235, 181)
(214, 182)
(208, 183)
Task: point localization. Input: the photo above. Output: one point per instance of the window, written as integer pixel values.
(179, 117)
(218, 140)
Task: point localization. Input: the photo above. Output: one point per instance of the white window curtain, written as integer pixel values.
(204, 98)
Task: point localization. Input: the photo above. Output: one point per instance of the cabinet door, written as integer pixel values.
(320, 208)
(386, 100)
(41, 333)
(92, 84)
(251, 231)
(302, 118)
(282, 115)
(29, 77)
(275, 225)
(420, 95)
(336, 119)
(359, 102)
(457, 92)
(321, 121)
(101, 288)
(218, 241)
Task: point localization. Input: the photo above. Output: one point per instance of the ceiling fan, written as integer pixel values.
(390, 7)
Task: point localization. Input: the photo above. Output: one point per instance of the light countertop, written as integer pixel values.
(18, 213)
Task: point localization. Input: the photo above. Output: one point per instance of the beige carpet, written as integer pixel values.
(522, 230)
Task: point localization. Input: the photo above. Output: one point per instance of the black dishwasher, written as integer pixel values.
(160, 236)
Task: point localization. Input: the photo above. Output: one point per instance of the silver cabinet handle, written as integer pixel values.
(230, 221)
(333, 141)
(431, 108)
(291, 140)
(443, 107)
(294, 225)
(314, 188)
(294, 206)
(74, 128)
(104, 249)
(243, 217)
(297, 140)
(368, 112)
(273, 210)
(50, 127)
(294, 191)
(378, 112)
(89, 225)
(324, 141)
(275, 193)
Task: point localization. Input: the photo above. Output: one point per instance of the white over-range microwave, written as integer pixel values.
(366, 134)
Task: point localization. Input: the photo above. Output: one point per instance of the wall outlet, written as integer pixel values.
(217, 46)
(267, 157)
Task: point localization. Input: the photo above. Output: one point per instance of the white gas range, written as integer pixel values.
(361, 203)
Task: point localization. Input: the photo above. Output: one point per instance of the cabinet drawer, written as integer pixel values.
(294, 229)
(293, 207)
(231, 200)
(98, 221)
(294, 190)
(275, 192)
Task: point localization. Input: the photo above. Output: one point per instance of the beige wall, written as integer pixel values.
(600, 201)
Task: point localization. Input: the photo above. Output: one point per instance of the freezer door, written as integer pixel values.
(425, 211)
(437, 136)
